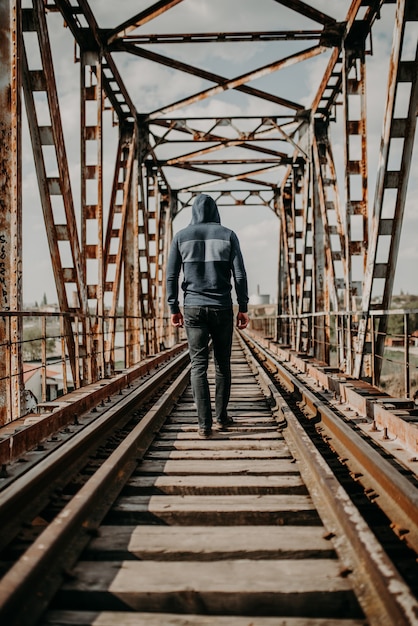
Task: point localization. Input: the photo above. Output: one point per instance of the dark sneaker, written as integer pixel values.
(205, 433)
(223, 425)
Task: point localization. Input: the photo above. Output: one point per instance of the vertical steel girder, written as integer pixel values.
(120, 199)
(92, 98)
(152, 252)
(131, 278)
(55, 191)
(355, 157)
(287, 269)
(334, 232)
(306, 262)
(322, 182)
(11, 376)
(388, 209)
(320, 278)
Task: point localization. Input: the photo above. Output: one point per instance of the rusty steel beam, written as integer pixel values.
(220, 146)
(223, 176)
(131, 280)
(356, 167)
(11, 370)
(265, 129)
(304, 305)
(286, 215)
(320, 176)
(92, 227)
(320, 287)
(240, 197)
(189, 69)
(142, 18)
(89, 38)
(334, 67)
(275, 35)
(115, 236)
(50, 186)
(401, 70)
(307, 11)
(237, 82)
(224, 161)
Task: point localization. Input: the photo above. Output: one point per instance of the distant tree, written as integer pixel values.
(44, 300)
(32, 344)
(396, 322)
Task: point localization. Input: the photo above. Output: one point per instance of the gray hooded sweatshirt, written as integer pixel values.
(209, 255)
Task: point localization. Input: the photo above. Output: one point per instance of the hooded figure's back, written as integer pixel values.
(209, 255)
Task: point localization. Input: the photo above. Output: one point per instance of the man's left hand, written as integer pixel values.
(177, 320)
(242, 320)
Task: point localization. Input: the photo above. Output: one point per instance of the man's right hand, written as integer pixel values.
(177, 320)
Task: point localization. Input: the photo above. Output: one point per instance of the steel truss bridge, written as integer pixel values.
(337, 254)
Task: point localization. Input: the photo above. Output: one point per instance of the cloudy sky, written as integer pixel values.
(151, 86)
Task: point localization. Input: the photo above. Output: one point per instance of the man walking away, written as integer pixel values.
(209, 255)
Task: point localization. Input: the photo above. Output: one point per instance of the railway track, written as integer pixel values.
(259, 525)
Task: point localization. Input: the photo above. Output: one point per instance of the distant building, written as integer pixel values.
(258, 298)
(32, 378)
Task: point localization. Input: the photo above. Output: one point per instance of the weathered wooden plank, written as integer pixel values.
(237, 404)
(244, 586)
(238, 432)
(219, 444)
(216, 484)
(209, 543)
(110, 618)
(217, 455)
(285, 466)
(216, 510)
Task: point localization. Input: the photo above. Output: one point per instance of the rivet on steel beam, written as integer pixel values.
(374, 427)
(345, 572)
(398, 530)
(75, 420)
(385, 433)
(109, 399)
(3, 472)
(329, 536)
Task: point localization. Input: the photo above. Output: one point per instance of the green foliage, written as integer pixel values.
(32, 342)
(396, 322)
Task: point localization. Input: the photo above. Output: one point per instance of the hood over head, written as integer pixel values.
(205, 210)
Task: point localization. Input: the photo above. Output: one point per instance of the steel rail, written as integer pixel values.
(398, 497)
(17, 501)
(381, 589)
(27, 588)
